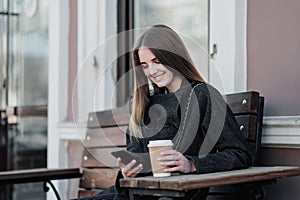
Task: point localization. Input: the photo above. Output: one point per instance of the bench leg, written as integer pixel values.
(258, 193)
(46, 189)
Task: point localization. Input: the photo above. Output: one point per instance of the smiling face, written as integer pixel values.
(157, 72)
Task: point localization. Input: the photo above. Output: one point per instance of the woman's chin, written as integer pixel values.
(160, 85)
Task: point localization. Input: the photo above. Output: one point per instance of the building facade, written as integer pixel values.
(257, 47)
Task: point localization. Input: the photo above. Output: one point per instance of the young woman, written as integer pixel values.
(180, 107)
(172, 101)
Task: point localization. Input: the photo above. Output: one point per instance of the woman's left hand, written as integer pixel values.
(176, 162)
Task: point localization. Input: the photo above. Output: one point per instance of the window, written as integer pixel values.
(201, 23)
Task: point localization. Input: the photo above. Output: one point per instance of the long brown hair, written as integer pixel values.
(170, 50)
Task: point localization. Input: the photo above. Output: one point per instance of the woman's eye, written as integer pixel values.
(156, 61)
(144, 66)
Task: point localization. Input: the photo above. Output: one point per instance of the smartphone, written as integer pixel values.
(126, 156)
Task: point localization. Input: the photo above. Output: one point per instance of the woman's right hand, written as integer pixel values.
(131, 169)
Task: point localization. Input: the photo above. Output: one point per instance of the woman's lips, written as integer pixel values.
(158, 78)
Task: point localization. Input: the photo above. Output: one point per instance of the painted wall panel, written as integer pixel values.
(273, 46)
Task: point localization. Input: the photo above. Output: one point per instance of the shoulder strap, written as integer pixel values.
(186, 114)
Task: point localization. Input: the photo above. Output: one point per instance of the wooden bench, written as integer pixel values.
(106, 133)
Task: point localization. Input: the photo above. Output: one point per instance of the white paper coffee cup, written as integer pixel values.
(155, 148)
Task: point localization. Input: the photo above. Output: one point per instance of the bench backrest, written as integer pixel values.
(106, 133)
(248, 110)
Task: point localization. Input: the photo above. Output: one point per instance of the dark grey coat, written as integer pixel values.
(202, 128)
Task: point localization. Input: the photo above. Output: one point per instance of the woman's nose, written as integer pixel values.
(152, 69)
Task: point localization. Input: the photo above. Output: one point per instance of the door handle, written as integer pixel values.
(214, 52)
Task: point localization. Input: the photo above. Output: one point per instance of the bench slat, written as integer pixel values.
(247, 124)
(98, 178)
(105, 137)
(115, 117)
(99, 157)
(87, 193)
(243, 103)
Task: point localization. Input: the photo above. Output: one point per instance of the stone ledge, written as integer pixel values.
(281, 131)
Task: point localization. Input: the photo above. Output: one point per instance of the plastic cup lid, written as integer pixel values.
(157, 143)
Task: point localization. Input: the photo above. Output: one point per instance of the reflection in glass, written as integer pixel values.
(27, 138)
(24, 82)
(28, 71)
(3, 58)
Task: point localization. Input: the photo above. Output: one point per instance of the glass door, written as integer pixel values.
(23, 91)
(190, 18)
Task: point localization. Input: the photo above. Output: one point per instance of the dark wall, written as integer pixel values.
(273, 45)
(285, 188)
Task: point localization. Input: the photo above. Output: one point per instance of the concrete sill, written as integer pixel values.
(282, 131)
